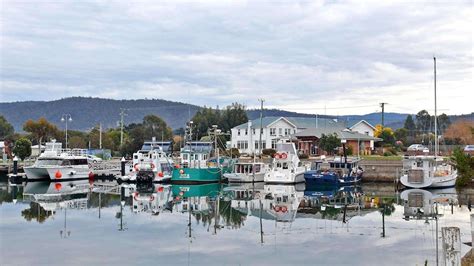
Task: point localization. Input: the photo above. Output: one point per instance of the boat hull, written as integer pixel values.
(36, 173)
(433, 182)
(67, 173)
(284, 178)
(244, 178)
(196, 175)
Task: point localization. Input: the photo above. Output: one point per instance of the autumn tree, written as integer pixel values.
(460, 132)
(40, 130)
(384, 133)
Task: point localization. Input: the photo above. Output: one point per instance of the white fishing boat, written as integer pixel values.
(59, 164)
(425, 171)
(150, 163)
(286, 166)
(245, 172)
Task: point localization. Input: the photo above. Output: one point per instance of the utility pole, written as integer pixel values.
(261, 127)
(122, 113)
(100, 136)
(383, 112)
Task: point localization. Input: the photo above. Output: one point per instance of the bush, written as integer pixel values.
(22, 148)
(465, 166)
(349, 150)
(233, 152)
(303, 156)
(269, 152)
(387, 153)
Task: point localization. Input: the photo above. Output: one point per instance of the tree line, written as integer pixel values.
(41, 131)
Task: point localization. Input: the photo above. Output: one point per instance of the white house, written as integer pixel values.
(363, 127)
(245, 137)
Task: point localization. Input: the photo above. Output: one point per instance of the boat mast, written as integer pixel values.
(261, 118)
(436, 114)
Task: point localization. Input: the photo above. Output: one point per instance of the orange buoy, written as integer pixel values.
(160, 189)
(58, 186)
(160, 174)
(58, 174)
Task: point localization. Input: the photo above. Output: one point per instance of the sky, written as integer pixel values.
(333, 57)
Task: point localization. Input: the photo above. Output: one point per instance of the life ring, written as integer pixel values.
(276, 208)
(284, 156)
(152, 165)
(135, 196)
(276, 156)
(152, 198)
(135, 166)
(284, 209)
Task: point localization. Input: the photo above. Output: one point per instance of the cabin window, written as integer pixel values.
(285, 165)
(257, 168)
(65, 163)
(285, 198)
(135, 157)
(272, 131)
(279, 165)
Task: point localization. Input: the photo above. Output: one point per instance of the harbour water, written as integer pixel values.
(92, 223)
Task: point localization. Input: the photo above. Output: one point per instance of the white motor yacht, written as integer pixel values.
(286, 167)
(59, 164)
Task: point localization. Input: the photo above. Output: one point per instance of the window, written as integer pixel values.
(287, 131)
(238, 132)
(272, 131)
(263, 144)
(256, 144)
(280, 131)
(246, 132)
(242, 145)
(253, 131)
(366, 132)
(274, 143)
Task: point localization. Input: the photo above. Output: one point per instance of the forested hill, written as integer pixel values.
(89, 112)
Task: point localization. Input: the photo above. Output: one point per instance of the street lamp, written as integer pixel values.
(344, 141)
(66, 118)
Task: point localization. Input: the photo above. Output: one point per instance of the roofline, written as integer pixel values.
(281, 117)
(363, 120)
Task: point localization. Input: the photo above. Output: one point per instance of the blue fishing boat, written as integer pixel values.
(334, 172)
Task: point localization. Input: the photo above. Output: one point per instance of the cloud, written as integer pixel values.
(297, 55)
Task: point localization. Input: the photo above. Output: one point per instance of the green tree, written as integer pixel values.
(465, 166)
(329, 142)
(40, 130)
(233, 115)
(6, 129)
(443, 123)
(22, 148)
(401, 134)
(154, 126)
(76, 142)
(203, 120)
(410, 125)
(423, 121)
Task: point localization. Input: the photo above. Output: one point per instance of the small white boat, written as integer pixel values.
(425, 171)
(59, 164)
(245, 172)
(150, 165)
(286, 166)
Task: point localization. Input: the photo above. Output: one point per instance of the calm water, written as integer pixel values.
(105, 223)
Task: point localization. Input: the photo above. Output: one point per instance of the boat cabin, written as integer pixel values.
(248, 168)
(196, 153)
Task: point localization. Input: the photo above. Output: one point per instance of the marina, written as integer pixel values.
(213, 223)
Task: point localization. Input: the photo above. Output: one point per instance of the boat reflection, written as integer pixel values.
(420, 204)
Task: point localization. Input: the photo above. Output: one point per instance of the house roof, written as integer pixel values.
(299, 122)
(362, 121)
(342, 134)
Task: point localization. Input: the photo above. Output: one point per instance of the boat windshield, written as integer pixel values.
(44, 162)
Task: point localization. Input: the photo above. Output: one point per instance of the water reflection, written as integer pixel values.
(249, 213)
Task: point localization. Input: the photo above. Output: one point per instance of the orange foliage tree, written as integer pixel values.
(40, 129)
(461, 132)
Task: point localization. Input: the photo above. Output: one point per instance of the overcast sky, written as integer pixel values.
(303, 56)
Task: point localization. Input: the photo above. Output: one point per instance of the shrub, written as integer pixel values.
(303, 156)
(233, 152)
(268, 152)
